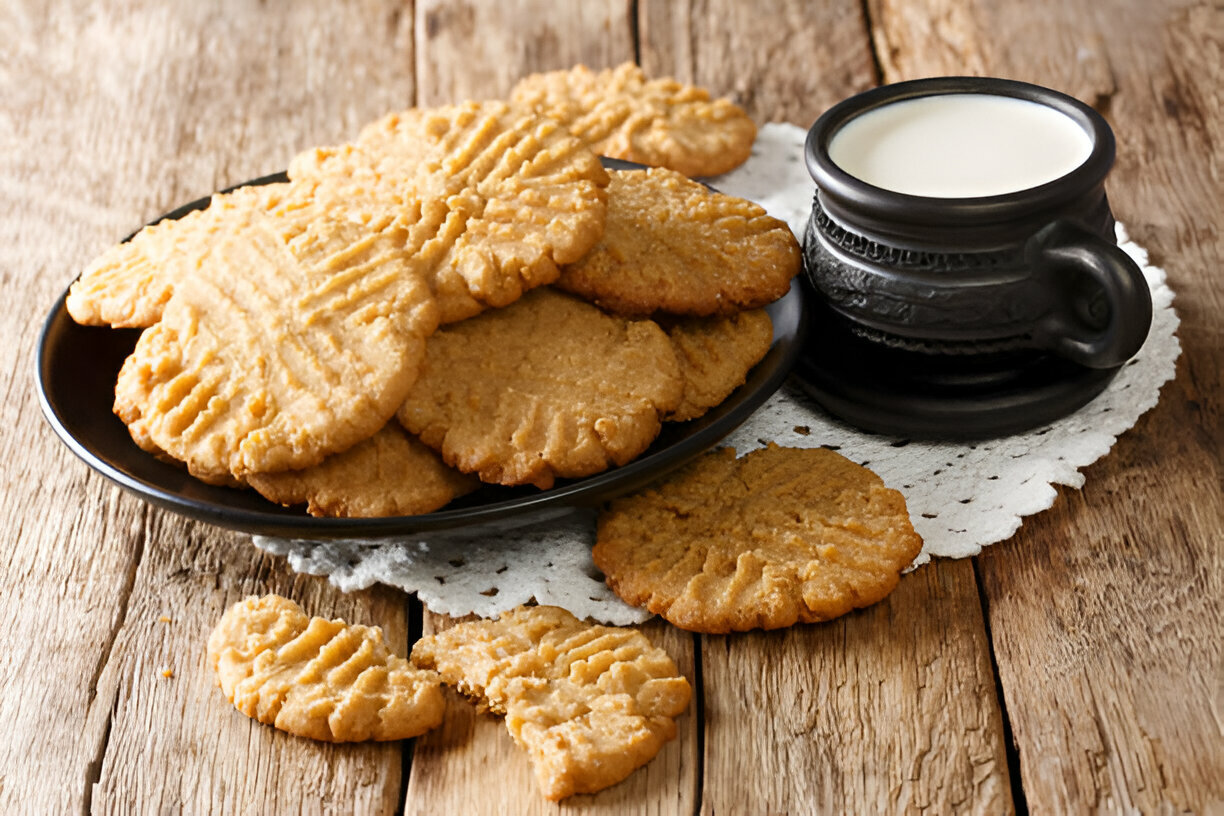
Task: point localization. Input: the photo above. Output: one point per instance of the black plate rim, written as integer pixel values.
(761, 383)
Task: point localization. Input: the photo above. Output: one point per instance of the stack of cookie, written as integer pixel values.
(364, 339)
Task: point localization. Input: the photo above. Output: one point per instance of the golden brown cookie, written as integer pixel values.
(389, 474)
(507, 195)
(128, 285)
(780, 536)
(549, 387)
(316, 678)
(298, 336)
(659, 122)
(715, 355)
(590, 704)
(672, 245)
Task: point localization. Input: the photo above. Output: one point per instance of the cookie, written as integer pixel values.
(715, 355)
(780, 536)
(589, 704)
(298, 336)
(674, 246)
(549, 387)
(507, 195)
(128, 285)
(389, 474)
(659, 122)
(321, 679)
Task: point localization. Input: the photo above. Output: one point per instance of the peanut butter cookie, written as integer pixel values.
(659, 122)
(715, 355)
(780, 536)
(548, 387)
(590, 704)
(298, 336)
(507, 195)
(671, 245)
(321, 679)
(389, 474)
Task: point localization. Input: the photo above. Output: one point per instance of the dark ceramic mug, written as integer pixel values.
(1037, 268)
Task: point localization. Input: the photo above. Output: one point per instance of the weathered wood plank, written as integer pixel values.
(111, 115)
(471, 765)
(475, 50)
(783, 61)
(1106, 610)
(890, 709)
(174, 742)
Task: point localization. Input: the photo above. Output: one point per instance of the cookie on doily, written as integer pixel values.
(777, 537)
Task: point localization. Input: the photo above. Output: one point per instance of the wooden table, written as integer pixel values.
(1076, 667)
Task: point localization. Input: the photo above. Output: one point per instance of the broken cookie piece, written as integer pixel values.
(317, 678)
(590, 704)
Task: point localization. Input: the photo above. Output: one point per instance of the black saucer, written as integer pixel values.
(941, 396)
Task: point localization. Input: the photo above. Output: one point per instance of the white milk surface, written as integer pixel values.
(960, 145)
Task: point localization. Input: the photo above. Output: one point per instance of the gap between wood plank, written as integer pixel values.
(416, 628)
(876, 69)
(1010, 750)
(699, 713)
(93, 768)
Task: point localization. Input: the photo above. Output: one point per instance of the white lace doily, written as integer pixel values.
(961, 496)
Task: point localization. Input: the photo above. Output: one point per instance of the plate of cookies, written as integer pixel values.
(465, 318)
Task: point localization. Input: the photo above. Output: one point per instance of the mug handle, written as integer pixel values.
(1078, 325)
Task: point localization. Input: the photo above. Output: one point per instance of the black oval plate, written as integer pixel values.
(78, 365)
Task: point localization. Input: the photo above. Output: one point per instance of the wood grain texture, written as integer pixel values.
(1106, 610)
(471, 765)
(479, 50)
(782, 60)
(111, 114)
(887, 710)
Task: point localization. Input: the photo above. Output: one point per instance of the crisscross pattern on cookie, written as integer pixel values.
(521, 194)
(673, 246)
(316, 678)
(715, 355)
(659, 122)
(780, 536)
(589, 703)
(298, 337)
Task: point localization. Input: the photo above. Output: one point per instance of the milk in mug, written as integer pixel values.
(961, 145)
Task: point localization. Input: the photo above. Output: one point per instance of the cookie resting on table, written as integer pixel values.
(660, 122)
(318, 678)
(547, 388)
(505, 195)
(674, 246)
(389, 474)
(589, 703)
(298, 337)
(777, 537)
